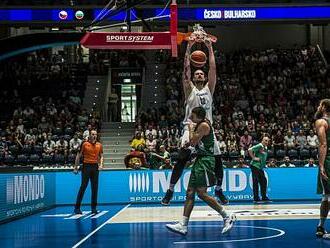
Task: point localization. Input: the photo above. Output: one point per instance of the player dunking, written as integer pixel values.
(322, 125)
(198, 92)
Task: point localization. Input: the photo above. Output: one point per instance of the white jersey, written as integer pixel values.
(199, 98)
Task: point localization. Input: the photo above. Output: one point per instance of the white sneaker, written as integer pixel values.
(326, 236)
(228, 223)
(178, 228)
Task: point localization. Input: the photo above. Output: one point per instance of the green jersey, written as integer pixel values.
(205, 146)
(260, 151)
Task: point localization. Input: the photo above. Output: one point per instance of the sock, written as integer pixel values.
(185, 221)
(322, 220)
(217, 188)
(172, 187)
(224, 214)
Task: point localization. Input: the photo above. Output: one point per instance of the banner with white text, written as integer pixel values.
(25, 193)
(150, 186)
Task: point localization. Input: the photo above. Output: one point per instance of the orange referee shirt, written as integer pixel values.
(91, 152)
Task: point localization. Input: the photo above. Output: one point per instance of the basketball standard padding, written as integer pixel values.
(198, 58)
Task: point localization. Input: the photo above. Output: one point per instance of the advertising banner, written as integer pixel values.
(25, 193)
(150, 186)
(135, 41)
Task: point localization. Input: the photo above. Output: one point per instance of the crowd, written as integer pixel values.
(42, 119)
(275, 91)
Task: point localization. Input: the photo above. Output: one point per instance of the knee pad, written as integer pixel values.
(326, 197)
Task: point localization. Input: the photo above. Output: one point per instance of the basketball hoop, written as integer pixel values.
(134, 40)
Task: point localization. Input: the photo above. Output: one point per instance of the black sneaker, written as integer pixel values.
(77, 211)
(167, 198)
(320, 231)
(223, 199)
(94, 211)
(256, 200)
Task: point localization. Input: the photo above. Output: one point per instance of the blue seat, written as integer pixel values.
(71, 159)
(280, 154)
(293, 154)
(233, 155)
(27, 149)
(304, 154)
(68, 131)
(59, 159)
(34, 159)
(47, 159)
(9, 159)
(37, 149)
(270, 154)
(22, 159)
(13, 150)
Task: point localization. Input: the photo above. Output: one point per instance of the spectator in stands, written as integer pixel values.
(311, 163)
(174, 131)
(278, 141)
(151, 131)
(3, 146)
(30, 138)
(49, 145)
(250, 124)
(61, 146)
(271, 163)
(87, 132)
(245, 143)
(113, 106)
(222, 144)
(74, 144)
(151, 143)
(20, 126)
(163, 122)
(44, 126)
(241, 163)
(138, 143)
(301, 140)
(232, 143)
(125, 115)
(312, 140)
(28, 113)
(289, 141)
(287, 162)
(160, 159)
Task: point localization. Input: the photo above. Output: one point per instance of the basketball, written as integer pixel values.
(198, 58)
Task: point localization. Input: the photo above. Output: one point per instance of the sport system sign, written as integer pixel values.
(130, 38)
(135, 41)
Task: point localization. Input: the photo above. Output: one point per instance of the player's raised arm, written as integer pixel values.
(212, 75)
(186, 75)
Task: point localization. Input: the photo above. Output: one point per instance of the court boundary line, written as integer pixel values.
(281, 233)
(99, 227)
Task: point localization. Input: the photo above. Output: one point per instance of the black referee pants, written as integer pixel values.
(88, 172)
(258, 177)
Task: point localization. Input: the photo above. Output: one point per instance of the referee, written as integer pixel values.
(92, 152)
